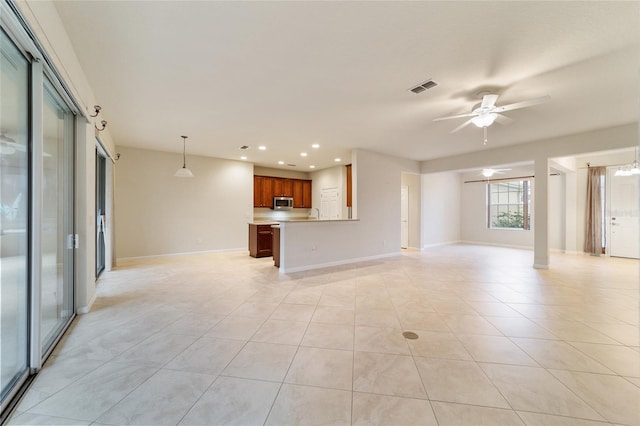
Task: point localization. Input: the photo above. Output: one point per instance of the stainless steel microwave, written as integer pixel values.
(282, 203)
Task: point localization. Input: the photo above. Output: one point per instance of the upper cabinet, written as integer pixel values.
(306, 194)
(282, 187)
(263, 191)
(267, 187)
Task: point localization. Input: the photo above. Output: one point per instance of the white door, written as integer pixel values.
(404, 216)
(624, 217)
(329, 204)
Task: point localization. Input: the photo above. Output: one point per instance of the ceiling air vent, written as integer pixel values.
(424, 86)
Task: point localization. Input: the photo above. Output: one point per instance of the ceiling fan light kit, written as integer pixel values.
(490, 172)
(485, 114)
(484, 120)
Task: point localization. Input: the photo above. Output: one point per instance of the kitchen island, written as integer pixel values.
(311, 244)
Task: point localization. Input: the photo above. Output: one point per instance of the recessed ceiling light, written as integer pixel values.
(315, 146)
(312, 166)
(262, 147)
(281, 162)
(303, 154)
(337, 160)
(243, 158)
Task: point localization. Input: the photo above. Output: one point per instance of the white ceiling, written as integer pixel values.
(289, 74)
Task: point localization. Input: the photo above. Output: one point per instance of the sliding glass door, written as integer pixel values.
(56, 263)
(14, 217)
(101, 204)
(37, 153)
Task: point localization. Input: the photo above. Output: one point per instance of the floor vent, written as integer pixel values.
(410, 335)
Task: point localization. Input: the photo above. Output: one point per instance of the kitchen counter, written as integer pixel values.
(318, 220)
(301, 219)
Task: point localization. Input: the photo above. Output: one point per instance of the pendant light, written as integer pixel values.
(184, 171)
(631, 170)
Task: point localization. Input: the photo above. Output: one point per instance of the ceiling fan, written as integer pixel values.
(484, 114)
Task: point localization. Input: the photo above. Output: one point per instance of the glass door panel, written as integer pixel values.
(56, 307)
(14, 216)
(101, 178)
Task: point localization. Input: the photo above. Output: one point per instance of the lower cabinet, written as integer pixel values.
(260, 240)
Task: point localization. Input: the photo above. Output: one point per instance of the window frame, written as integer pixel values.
(526, 201)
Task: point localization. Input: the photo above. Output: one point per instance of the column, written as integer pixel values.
(541, 214)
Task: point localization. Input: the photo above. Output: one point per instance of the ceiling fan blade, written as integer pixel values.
(466, 123)
(503, 119)
(489, 101)
(522, 104)
(470, 114)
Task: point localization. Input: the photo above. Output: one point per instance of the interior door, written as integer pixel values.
(404, 216)
(624, 217)
(329, 205)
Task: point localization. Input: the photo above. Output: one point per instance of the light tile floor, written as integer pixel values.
(225, 339)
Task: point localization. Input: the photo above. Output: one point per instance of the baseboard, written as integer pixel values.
(572, 252)
(189, 253)
(484, 243)
(539, 266)
(86, 309)
(337, 263)
(445, 243)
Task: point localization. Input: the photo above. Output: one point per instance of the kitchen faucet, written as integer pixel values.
(318, 211)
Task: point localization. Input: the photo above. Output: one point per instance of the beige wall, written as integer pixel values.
(440, 208)
(159, 214)
(290, 174)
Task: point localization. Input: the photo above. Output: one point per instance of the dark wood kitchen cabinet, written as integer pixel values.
(282, 187)
(266, 187)
(263, 191)
(306, 194)
(260, 240)
(298, 201)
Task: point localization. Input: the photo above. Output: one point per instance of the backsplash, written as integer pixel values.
(264, 214)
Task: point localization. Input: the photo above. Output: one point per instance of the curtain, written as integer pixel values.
(593, 238)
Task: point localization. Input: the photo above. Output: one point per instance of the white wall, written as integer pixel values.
(376, 233)
(618, 137)
(440, 208)
(473, 205)
(290, 174)
(160, 214)
(557, 213)
(413, 181)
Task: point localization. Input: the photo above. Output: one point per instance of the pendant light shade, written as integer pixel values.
(184, 172)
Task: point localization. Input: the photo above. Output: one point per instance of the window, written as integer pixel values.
(509, 204)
